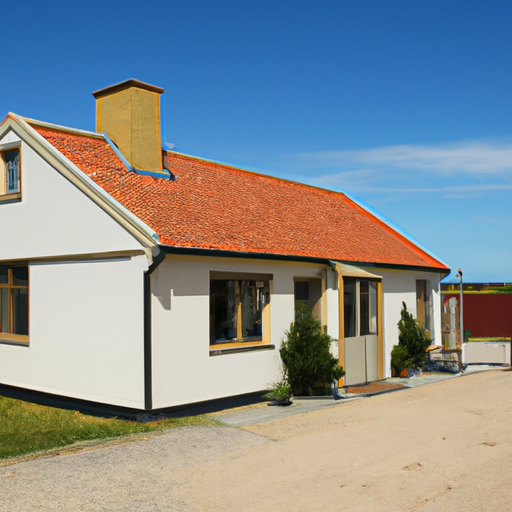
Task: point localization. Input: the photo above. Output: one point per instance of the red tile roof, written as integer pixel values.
(213, 206)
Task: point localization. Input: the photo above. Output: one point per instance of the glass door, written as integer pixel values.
(360, 310)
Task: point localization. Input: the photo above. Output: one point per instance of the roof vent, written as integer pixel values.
(129, 114)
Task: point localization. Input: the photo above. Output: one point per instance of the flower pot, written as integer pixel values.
(283, 402)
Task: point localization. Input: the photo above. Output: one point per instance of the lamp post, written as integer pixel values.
(461, 326)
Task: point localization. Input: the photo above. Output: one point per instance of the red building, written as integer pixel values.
(487, 308)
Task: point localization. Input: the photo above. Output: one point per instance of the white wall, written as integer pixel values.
(478, 352)
(330, 304)
(86, 332)
(54, 218)
(400, 286)
(86, 315)
(183, 370)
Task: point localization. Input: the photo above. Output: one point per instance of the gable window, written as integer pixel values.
(14, 303)
(10, 177)
(238, 307)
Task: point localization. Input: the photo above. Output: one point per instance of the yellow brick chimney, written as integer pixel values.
(129, 113)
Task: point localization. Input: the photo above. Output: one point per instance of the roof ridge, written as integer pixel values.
(60, 128)
(257, 173)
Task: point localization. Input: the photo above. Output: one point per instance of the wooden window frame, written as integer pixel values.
(6, 196)
(358, 313)
(239, 342)
(9, 336)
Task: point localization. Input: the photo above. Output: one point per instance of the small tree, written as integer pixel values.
(413, 341)
(308, 365)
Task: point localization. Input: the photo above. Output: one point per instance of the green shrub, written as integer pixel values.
(308, 365)
(279, 391)
(413, 341)
(400, 360)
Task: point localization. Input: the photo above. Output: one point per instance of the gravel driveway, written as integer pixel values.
(141, 475)
(444, 446)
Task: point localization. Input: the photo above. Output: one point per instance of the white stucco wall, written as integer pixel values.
(85, 314)
(86, 325)
(330, 305)
(183, 370)
(54, 218)
(400, 286)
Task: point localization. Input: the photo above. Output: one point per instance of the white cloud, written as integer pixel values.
(464, 157)
(459, 169)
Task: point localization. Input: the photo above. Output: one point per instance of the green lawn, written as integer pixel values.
(26, 428)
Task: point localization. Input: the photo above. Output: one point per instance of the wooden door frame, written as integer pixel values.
(361, 274)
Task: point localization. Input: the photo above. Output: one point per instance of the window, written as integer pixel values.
(238, 307)
(424, 304)
(10, 182)
(308, 293)
(360, 307)
(14, 303)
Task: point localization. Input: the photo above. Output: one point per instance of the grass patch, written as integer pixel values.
(26, 427)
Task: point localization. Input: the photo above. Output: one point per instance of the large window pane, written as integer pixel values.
(424, 303)
(360, 307)
(364, 305)
(349, 307)
(301, 295)
(236, 309)
(20, 276)
(4, 310)
(3, 274)
(368, 305)
(251, 297)
(12, 160)
(13, 302)
(429, 306)
(20, 311)
(373, 307)
(223, 311)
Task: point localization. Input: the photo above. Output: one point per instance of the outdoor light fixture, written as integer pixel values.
(461, 327)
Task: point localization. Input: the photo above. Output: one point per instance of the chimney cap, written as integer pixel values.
(132, 82)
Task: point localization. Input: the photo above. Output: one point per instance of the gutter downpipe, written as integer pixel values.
(148, 341)
(461, 320)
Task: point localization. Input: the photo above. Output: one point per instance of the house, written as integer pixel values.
(146, 279)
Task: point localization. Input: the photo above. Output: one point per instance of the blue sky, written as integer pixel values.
(404, 104)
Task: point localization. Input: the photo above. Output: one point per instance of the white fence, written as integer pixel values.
(487, 352)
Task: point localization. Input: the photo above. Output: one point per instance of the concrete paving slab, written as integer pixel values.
(259, 413)
(262, 412)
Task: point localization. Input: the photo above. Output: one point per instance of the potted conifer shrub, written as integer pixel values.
(308, 364)
(410, 355)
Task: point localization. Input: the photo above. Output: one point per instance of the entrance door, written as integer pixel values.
(361, 342)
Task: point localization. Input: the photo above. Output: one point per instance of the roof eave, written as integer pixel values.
(222, 253)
